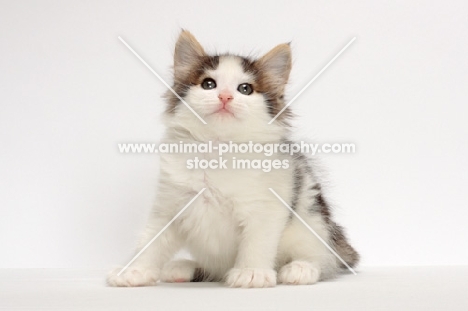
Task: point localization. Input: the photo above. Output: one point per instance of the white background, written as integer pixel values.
(70, 91)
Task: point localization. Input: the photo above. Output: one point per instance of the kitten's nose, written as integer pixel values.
(225, 97)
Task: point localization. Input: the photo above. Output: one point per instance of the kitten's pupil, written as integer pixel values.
(208, 84)
(245, 88)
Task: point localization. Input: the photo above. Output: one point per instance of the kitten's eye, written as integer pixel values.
(208, 84)
(245, 88)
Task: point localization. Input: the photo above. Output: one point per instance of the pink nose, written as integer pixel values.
(225, 98)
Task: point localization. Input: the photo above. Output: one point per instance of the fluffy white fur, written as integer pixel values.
(237, 231)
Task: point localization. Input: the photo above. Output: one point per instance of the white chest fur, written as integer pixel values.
(212, 226)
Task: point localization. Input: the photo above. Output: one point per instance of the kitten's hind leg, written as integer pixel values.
(183, 270)
(299, 272)
(145, 269)
(302, 257)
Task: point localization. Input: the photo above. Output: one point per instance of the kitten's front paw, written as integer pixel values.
(251, 277)
(133, 277)
(299, 273)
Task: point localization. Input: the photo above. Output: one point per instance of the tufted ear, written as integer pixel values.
(276, 65)
(186, 55)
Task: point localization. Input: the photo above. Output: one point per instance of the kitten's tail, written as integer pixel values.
(342, 246)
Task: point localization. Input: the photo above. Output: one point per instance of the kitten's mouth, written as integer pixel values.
(224, 112)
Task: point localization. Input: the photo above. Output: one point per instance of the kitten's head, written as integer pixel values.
(236, 96)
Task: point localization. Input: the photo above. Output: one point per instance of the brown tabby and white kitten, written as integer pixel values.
(237, 231)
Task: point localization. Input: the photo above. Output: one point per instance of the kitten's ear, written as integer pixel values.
(276, 65)
(187, 53)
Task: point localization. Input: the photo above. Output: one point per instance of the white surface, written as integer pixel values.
(70, 91)
(389, 288)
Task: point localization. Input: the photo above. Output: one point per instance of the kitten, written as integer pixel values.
(237, 231)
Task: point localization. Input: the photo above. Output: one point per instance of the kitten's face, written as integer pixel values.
(234, 95)
(226, 93)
